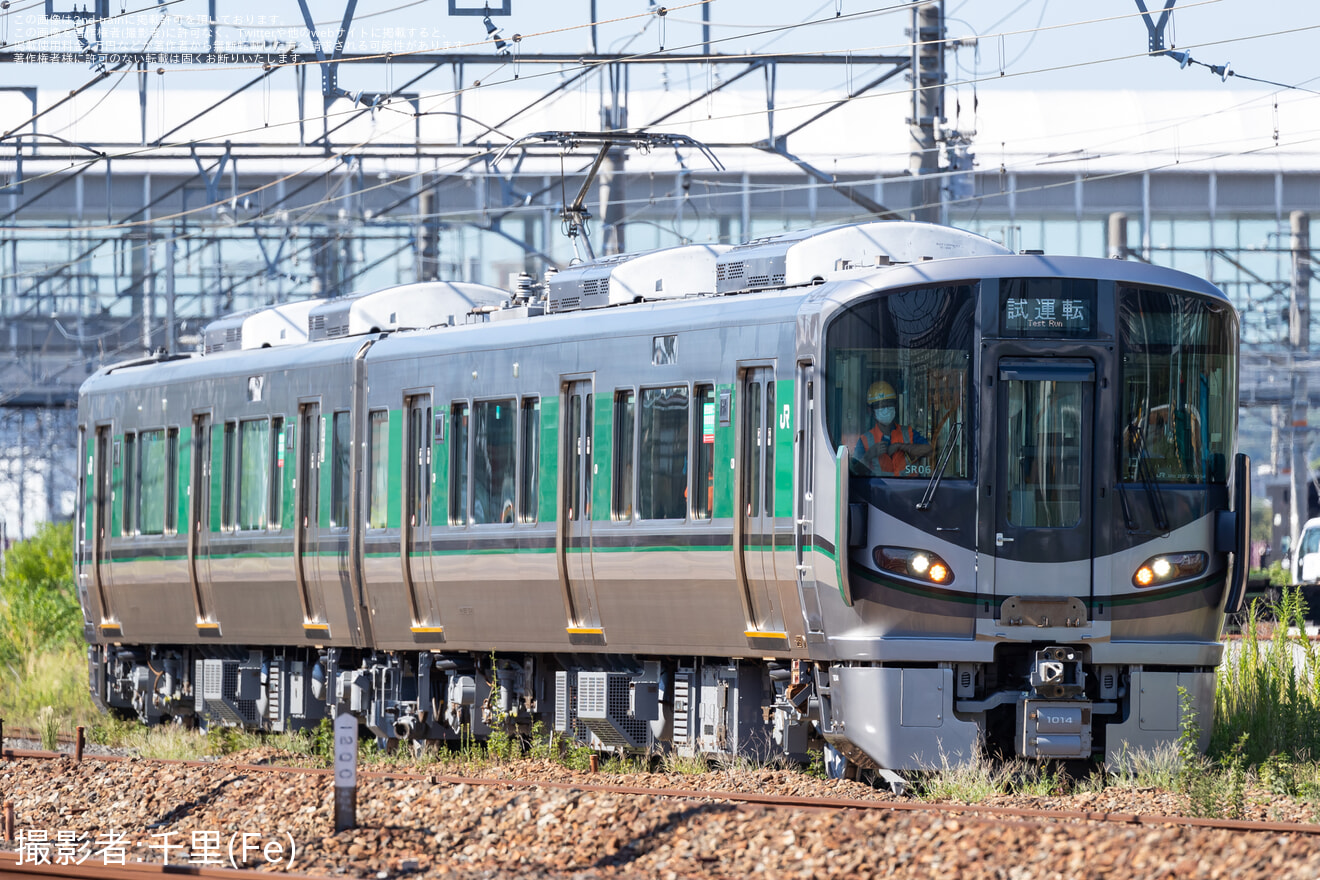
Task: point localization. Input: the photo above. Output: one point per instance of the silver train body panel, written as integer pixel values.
(712, 601)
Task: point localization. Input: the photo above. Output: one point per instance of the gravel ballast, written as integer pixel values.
(424, 828)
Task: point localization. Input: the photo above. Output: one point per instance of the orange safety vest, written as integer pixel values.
(892, 463)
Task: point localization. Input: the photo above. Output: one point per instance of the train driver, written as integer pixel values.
(888, 448)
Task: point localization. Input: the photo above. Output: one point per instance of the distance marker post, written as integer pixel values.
(346, 749)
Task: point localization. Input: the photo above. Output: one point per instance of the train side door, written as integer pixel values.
(307, 512)
(102, 490)
(575, 513)
(756, 496)
(1045, 434)
(417, 511)
(199, 520)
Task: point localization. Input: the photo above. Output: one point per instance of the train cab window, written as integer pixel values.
(1178, 422)
(703, 444)
(625, 418)
(662, 460)
(130, 485)
(905, 357)
(153, 470)
(494, 436)
(378, 469)
(341, 450)
(458, 464)
(530, 466)
(253, 473)
(1044, 480)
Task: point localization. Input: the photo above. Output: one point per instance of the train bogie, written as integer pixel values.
(901, 508)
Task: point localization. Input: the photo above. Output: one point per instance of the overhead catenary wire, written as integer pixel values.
(782, 108)
(203, 208)
(459, 214)
(450, 94)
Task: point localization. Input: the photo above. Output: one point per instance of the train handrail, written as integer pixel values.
(841, 475)
(1236, 594)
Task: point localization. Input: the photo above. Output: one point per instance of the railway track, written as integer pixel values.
(414, 824)
(771, 801)
(11, 868)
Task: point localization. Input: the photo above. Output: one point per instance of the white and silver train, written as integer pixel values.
(888, 489)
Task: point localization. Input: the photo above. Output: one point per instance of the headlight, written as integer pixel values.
(919, 565)
(1168, 567)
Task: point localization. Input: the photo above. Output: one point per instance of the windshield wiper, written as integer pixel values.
(939, 469)
(1148, 481)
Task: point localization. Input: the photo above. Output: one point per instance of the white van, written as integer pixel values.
(1305, 561)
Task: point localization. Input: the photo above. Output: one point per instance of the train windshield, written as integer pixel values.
(1179, 375)
(898, 368)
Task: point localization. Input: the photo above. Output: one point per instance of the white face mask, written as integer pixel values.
(885, 414)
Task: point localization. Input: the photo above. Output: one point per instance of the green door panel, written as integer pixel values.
(324, 496)
(183, 480)
(602, 461)
(117, 486)
(89, 482)
(549, 477)
(395, 481)
(288, 472)
(725, 440)
(440, 469)
(217, 474)
(784, 447)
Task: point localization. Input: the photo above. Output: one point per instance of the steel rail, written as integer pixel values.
(11, 869)
(773, 801)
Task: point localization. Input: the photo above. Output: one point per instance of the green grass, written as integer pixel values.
(684, 766)
(968, 781)
(55, 678)
(43, 661)
(1268, 687)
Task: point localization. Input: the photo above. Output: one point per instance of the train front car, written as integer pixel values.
(1028, 467)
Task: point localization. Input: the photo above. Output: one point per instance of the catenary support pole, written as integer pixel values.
(927, 109)
(1299, 345)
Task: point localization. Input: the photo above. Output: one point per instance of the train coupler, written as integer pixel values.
(1054, 721)
(1049, 729)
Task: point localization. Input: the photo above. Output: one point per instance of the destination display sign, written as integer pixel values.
(1050, 308)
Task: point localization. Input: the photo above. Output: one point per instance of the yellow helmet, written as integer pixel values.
(880, 392)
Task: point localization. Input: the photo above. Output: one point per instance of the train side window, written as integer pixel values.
(130, 485)
(341, 443)
(703, 444)
(458, 463)
(624, 428)
(273, 515)
(530, 450)
(253, 473)
(152, 468)
(171, 481)
(227, 479)
(662, 460)
(378, 473)
(494, 441)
